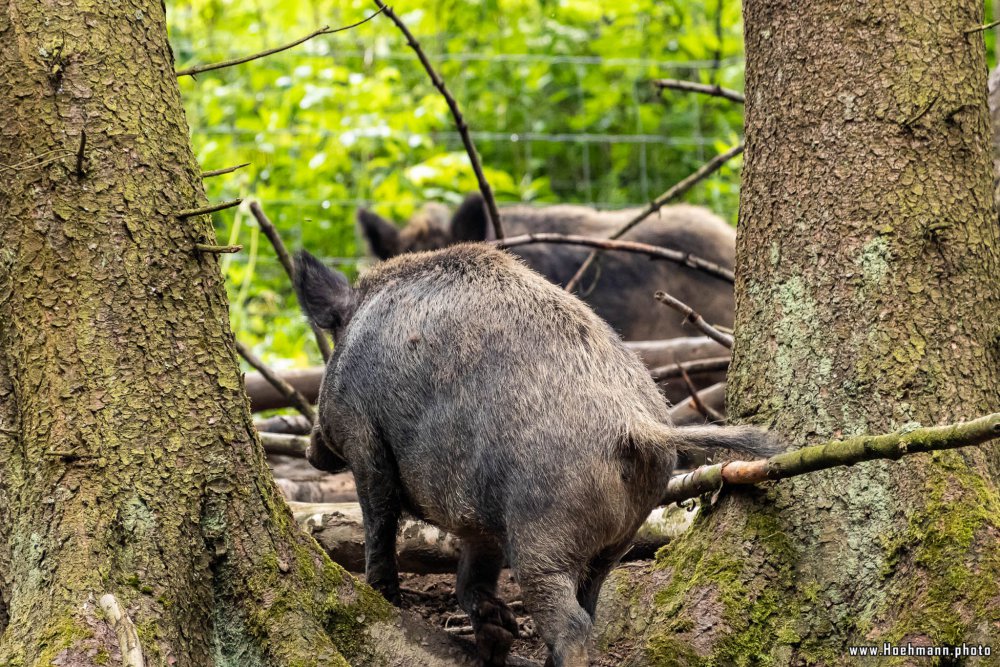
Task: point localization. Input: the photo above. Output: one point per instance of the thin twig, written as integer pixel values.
(714, 90)
(325, 30)
(981, 28)
(271, 232)
(710, 413)
(694, 318)
(297, 400)
(206, 210)
(922, 111)
(80, 154)
(657, 252)
(677, 190)
(27, 164)
(463, 128)
(220, 172)
(217, 249)
(696, 366)
(685, 412)
(833, 454)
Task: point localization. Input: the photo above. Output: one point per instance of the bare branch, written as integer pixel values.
(694, 318)
(325, 30)
(271, 232)
(217, 249)
(206, 210)
(220, 172)
(297, 400)
(463, 128)
(676, 191)
(833, 454)
(696, 366)
(981, 28)
(703, 88)
(687, 259)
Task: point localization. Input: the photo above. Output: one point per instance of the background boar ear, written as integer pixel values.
(324, 294)
(470, 222)
(381, 235)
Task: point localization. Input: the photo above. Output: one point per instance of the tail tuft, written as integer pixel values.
(324, 294)
(747, 440)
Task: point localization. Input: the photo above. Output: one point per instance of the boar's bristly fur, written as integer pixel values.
(472, 393)
(620, 287)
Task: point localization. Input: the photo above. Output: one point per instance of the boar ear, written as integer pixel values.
(470, 222)
(324, 294)
(381, 235)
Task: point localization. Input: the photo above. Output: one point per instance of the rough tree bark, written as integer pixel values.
(868, 287)
(138, 521)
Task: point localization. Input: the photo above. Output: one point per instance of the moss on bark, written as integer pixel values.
(128, 461)
(868, 282)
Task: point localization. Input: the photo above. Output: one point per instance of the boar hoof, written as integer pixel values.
(496, 629)
(389, 592)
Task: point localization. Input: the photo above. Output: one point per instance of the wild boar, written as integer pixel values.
(620, 287)
(473, 394)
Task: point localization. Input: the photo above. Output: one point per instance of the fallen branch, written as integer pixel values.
(677, 190)
(263, 396)
(694, 318)
(697, 366)
(703, 88)
(271, 232)
(657, 353)
(656, 252)
(286, 424)
(325, 30)
(463, 128)
(424, 548)
(297, 400)
(124, 629)
(686, 412)
(285, 445)
(892, 446)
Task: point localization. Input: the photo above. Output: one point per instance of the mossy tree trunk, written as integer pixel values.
(131, 484)
(868, 293)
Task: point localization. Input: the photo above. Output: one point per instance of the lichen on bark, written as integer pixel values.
(868, 282)
(128, 460)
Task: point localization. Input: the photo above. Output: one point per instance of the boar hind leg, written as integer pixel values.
(551, 597)
(378, 494)
(593, 578)
(476, 585)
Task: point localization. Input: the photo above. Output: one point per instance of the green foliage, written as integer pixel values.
(353, 117)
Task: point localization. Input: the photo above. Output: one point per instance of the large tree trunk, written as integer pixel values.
(138, 521)
(868, 295)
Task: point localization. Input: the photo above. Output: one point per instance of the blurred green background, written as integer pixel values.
(557, 93)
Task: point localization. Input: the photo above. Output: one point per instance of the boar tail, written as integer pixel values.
(324, 294)
(747, 440)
